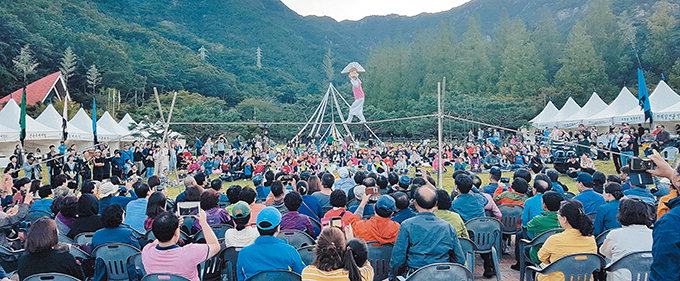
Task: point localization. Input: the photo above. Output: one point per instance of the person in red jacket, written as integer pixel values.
(378, 228)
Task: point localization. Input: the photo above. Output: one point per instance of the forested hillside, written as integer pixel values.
(503, 58)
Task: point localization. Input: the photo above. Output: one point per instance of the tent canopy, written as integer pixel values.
(34, 130)
(623, 103)
(662, 98)
(570, 108)
(127, 121)
(52, 119)
(594, 105)
(83, 122)
(107, 121)
(548, 111)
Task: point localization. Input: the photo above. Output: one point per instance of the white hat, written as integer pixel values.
(107, 189)
(343, 172)
(359, 191)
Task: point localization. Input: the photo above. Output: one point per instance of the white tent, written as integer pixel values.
(662, 98)
(548, 111)
(8, 135)
(107, 122)
(623, 103)
(52, 119)
(83, 122)
(127, 121)
(34, 130)
(592, 106)
(570, 108)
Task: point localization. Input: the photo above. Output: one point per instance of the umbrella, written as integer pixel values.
(351, 65)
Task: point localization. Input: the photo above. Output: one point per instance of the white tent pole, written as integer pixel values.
(342, 117)
(320, 114)
(310, 118)
(440, 116)
(323, 114)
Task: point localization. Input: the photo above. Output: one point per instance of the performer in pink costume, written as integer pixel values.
(357, 107)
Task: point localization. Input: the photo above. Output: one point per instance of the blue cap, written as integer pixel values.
(586, 179)
(270, 215)
(386, 203)
(257, 179)
(404, 180)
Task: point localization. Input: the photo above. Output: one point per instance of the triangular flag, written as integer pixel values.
(643, 95)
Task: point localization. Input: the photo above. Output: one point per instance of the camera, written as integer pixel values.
(641, 165)
(638, 172)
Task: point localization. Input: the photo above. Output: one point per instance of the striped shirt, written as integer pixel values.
(311, 273)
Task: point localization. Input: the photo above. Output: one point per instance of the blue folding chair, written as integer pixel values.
(211, 269)
(469, 248)
(230, 257)
(637, 264)
(51, 277)
(115, 257)
(9, 258)
(526, 246)
(84, 238)
(573, 267)
(78, 253)
(278, 275)
(307, 254)
(379, 256)
(136, 267)
(442, 272)
(163, 277)
(511, 220)
(296, 238)
(487, 235)
(602, 236)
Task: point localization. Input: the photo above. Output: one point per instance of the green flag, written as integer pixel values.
(22, 117)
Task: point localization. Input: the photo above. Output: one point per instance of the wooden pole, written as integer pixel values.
(158, 102)
(440, 116)
(167, 124)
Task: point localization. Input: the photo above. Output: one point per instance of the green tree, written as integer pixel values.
(522, 73)
(474, 73)
(94, 78)
(549, 44)
(663, 36)
(582, 68)
(68, 64)
(328, 64)
(24, 63)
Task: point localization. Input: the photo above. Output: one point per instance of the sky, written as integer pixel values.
(358, 9)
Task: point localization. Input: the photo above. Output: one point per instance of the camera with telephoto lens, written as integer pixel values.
(638, 172)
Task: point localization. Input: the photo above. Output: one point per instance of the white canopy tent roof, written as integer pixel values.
(593, 106)
(570, 108)
(83, 122)
(623, 103)
(8, 135)
(662, 98)
(107, 121)
(548, 111)
(51, 118)
(127, 121)
(34, 130)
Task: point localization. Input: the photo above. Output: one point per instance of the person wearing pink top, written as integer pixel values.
(357, 107)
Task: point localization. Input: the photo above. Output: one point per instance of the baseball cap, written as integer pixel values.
(404, 180)
(240, 210)
(386, 203)
(586, 179)
(257, 179)
(343, 172)
(107, 189)
(270, 215)
(359, 191)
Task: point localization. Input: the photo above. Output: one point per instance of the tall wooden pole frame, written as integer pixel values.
(440, 117)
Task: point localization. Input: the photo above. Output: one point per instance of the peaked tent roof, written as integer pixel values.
(127, 121)
(570, 108)
(8, 135)
(623, 103)
(39, 90)
(592, 106)
(52, 119)
(662, 98)
(83, 122)
(34, 129)
(107, 121)
(548, 110)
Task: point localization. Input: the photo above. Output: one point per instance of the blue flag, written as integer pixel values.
(643, 95)
(94, 120)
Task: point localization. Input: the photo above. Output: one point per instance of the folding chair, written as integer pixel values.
(469, 248)
(379, 256)
(78, 253)
(526, 247)
(278, 275)
(211, 269)
(307, 254)
(638, 264)
(574, 267)
(296, 238)
(163, 277)
(115, 256)
(230, 257)
(441, 272)
(51, 277)
(487, 235)
(84, 238)
(9, 258)
(511, 219)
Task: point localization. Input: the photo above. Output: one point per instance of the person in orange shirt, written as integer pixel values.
(515, 195)
(338, 200)
(663, 208)
(378, 228)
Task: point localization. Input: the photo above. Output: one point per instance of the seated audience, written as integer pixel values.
(576, 238)
(243, 234)
(402, 203)
(468, 205)
(46, 199)
(42, 254)
(424, 239)
(113, 232)
(665, 250)
(156, 205)
(334, 260)
(378, 228)
(214, 214)
(233, 195)
(248, 195)
(67, 211)
(267, 252)
(533, 206)
(135, 211)
(642, 193)
(588, 197)
(292, 220)
(515, 195)
(606, 217)
(88, 220)
(662, 209)
(165, 256)
(546, 221)
(216, 185)
(325, 188)
(491, 209)
(443, 212)
(310, 205)
(633, 236)
(275, 198)
(338, 200)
